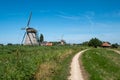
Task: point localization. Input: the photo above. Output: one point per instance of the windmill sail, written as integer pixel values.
(29, 19)
(23, 38)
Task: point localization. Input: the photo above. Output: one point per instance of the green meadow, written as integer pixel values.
(36, 62)
(53, 63)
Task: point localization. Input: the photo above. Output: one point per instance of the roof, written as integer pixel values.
(106, 44)
(31, 30)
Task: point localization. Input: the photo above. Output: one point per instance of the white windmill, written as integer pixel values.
(62, 41)
(30, 36)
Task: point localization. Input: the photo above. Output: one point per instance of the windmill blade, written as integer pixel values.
(29, 19)
(23, 38)
(23, 28)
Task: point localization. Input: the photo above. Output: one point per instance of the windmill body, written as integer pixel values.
(30, 36)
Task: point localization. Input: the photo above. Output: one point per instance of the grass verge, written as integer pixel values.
(101, 64)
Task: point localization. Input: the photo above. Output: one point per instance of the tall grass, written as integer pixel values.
(101, 64)
(36, 63)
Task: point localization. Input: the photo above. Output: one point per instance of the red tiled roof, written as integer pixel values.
(105, 44)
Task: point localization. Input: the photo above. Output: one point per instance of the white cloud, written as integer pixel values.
(69, 17)
(112, 14)
(90, 20)
(62, 12)
(65, 15)
(90, 13)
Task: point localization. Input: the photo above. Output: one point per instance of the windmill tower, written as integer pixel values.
(62, 41)
(30, 35)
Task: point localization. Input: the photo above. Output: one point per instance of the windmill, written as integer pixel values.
(62, 41)
(30, 35)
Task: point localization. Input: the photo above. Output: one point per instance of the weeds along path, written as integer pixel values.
(75, 67)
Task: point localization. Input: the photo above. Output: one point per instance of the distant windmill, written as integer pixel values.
(30, 35)
(62, 41)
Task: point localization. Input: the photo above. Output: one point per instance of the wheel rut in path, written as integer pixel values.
(76, 72)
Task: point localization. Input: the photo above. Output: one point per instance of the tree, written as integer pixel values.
(95, 42)
(1, 44)
(41, 38)
(9, 44)
(115, 45)
(85, 43)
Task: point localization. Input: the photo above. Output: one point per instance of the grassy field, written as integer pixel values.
(36, 63)
(101, 64)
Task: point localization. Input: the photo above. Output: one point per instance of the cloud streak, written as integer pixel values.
(69, 17)
(90, 20)
(65, 15)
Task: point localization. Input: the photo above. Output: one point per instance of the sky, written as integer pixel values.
(75, 21)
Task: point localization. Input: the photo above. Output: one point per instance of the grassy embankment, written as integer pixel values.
(118, 48)
(36, 63)
(101, 64)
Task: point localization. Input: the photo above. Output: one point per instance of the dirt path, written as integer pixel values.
(115, 51)
(75, 67)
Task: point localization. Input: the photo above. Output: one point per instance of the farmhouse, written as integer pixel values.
(45, 43)
(106, 45)
(49, 44)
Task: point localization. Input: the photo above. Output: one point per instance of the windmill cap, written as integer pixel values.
(31, 30)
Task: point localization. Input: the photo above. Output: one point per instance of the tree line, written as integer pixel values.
(95, 42)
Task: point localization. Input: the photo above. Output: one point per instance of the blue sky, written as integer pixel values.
(76, 20)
